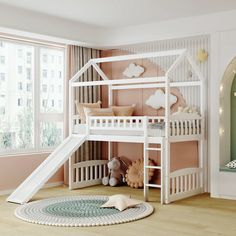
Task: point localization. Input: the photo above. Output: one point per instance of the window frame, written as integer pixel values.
(35, 81)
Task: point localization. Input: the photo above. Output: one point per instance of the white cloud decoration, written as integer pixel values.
(157, 100)
(133, 70)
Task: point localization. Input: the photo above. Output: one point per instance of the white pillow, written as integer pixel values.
(231, 164)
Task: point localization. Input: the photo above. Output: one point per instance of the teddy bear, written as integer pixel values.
(117, 169)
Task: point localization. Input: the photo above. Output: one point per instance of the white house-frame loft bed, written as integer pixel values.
(134, 129)
(174, 185)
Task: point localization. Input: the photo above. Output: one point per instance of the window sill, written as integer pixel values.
(28, 153)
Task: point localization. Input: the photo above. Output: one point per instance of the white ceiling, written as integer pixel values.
(122, 13)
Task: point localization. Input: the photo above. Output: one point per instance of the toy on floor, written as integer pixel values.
(117, 168)
(134, 174)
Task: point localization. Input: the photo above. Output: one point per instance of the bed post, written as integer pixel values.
(201, 143)
(110, 103)
(167, 143)
(71, 113)
(202, 160)
(145, 158)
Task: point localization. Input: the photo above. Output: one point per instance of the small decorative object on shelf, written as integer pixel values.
(133, 70)
(157, 100)
(202, 55)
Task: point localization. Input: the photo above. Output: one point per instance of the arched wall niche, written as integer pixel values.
(226, 114)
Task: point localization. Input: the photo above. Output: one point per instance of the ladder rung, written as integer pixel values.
(153, 185)
(153, 149)
(154, 167)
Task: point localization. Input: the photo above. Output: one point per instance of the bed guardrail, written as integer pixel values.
(178, 127)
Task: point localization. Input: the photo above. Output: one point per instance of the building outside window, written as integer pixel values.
(29, 102)
(20, 102)
(28, 73)
(52, 88)
(20, 116)
(20, 86)
(29, 87)
(45, 58)
(2, 60)
(20, 53)
(2, 110)
(2, 76)
(44, 88)
(45, 73)
(20, 69)
(28, 56)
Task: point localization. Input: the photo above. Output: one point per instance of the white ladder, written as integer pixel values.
(146, 167)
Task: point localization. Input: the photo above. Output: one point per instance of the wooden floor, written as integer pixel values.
(200, 215)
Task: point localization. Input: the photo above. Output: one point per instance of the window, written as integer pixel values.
(29, 102)
(20, 102)
(2, 76)
(2, 60)
(28, 73)
(44, 103)
(20, 86)
(20, 53)
(60, 103)
(20, 116)
(59, 74)
(28, 56)
(59, 59)
(2, 110)
(51, 88)
(52, 58)
(20, 69)
(44, 88)
(52, 74)
(45, 74)
(29, 87)
(60, 89)
(45, 58)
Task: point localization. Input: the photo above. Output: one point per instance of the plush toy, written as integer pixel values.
(186, 110)
(134, 174)
(117, 168)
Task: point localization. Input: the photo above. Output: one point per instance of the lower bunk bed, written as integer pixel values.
(174, 185)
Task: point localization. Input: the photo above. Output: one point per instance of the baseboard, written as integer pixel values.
(48, 185)
(227, 197)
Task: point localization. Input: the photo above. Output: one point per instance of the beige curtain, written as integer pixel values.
(77, 57)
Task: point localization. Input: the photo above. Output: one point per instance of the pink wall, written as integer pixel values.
(182, 154)
(14, 170)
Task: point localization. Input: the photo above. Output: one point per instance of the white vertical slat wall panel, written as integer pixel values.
(182, 73)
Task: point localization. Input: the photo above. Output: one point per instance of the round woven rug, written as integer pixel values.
(79, 211)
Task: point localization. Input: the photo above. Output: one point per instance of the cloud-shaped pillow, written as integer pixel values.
(157, 100)
(133, 70)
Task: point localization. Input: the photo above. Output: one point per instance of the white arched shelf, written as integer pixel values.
(227, 113)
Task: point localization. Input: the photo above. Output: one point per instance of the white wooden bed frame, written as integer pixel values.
(174, 185)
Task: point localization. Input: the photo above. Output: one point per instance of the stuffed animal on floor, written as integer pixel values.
(117, 168)
(134, 174)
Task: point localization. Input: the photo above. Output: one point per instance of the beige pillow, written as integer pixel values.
(123, 110)
(80, 108)
(98, 111)
(121, 202)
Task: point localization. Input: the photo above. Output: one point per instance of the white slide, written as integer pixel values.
(46, 169)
